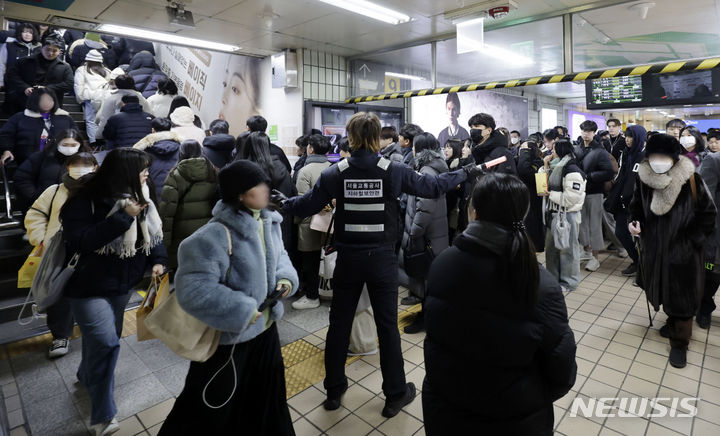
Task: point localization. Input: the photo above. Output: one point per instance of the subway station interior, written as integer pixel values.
(359, 217)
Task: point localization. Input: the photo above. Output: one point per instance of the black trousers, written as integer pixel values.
(309, 269)
(712, 282)
(60, 319)
(378, 268)
(257, 406)
(623, 234)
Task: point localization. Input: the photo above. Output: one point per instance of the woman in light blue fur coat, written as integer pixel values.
(225, 291)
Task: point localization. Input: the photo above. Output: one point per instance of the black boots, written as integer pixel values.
(392, 408)
(417, 325)
(703, 320)
(678, 357)
(629, 271)
(333, 403)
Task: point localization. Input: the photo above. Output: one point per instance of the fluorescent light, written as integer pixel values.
(404, 76)
(370, 10)
(169, 38)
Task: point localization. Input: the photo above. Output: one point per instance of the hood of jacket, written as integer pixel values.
(219, 141)
(143, 59)
(183, 116)
(639, 135)
(433, 159)
(194, 169)
(162, 142)
(131, 107)
(32, 114)
(666, 186)
(240, 221)
(496, 140)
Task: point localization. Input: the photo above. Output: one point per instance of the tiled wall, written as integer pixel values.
(324, 76)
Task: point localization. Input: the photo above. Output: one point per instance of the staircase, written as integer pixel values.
(14, 249)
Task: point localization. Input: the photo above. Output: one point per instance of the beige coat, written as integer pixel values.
(43, 218)
(308, 239)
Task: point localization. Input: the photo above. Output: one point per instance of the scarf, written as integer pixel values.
(494, 237)
(666, 187)
(556, 174)
(125, 246)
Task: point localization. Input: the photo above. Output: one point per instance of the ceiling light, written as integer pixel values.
(370, 10)
(405, 76)
(169, 38)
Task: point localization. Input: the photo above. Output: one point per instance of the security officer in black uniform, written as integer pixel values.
(366, 188)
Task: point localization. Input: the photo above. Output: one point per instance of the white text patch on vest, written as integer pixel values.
(364, 188)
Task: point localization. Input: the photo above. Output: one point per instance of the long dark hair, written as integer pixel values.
(256, 147)
(19, 31)
(191, 149)
(563, 148)
(503, 199)
(119, 175)
(52, 144)
(96, 68)
(457, 146)
(699, 141)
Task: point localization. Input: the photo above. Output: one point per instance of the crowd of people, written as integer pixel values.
(148, 188)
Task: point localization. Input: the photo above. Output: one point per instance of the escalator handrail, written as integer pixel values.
(6, 186)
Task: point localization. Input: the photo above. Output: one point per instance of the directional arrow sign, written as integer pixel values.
(365, 69)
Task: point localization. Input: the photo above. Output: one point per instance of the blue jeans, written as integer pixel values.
(565, 264)
(100, 321)
(90, 126)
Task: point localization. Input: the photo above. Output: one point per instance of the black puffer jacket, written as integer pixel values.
(623, 188)
(22, 132)
(128, 127)
(130, 47)
(529, 162)
(146, 73)
(218, 148)
(23, 75)
(494, 147)
(40, 171)
(86, 229)
(492, 388)
(672, 238)
(17, 50)
(595, 162)
(710, 172)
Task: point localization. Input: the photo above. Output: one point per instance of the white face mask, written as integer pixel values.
(514, 141)
(68, 151)
(77, 172)
(687, 141)
(661, 166)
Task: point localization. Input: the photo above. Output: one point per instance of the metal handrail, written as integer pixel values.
(8, 221)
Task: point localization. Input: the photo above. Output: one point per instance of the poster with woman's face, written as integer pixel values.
(217, 85)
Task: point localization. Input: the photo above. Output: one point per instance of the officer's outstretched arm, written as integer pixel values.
(313, 201)
(427, 185)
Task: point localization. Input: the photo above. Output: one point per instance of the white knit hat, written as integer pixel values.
(183, 116)
(93, 56)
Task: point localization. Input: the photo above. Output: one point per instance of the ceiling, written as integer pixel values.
(263, 27)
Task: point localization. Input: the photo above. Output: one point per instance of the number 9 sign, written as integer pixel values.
(392, 84)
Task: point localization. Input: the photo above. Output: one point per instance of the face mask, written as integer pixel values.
(67, 151)
(476, 136)
(514, 141)
(687, 141)
(661, 166)
(77, 172)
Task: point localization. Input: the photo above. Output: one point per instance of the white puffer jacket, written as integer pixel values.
(90, 86)
(43, 218)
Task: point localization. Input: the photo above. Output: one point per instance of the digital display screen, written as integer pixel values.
(684, 86)
(617, 91)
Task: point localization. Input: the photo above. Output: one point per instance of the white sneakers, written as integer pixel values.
(106, 428)
(59, 347)
(306, 303)
(586, 255)
(592, 265)
(622, 253)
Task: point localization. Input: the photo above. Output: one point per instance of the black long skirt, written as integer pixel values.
(257, 407)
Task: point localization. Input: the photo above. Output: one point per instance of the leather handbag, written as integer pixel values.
(417, 264)
(186, 335)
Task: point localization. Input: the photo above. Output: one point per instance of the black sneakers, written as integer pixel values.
(417, 325)
(703, 320)
(333, 403)
(665, 331)
(392, 408)
(629, 271)
(410, 300)
(678, 357)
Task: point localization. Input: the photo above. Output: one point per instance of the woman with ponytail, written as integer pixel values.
(489, 286)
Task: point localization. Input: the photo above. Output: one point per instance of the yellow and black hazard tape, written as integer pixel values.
(670, 67)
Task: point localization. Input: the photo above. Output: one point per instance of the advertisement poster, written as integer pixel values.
(217, 85)
(446, 115)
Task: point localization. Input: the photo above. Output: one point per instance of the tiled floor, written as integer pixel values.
(617, 356)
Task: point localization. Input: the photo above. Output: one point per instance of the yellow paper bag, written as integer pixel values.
(158, 286)
(29, 268)
(541, 183)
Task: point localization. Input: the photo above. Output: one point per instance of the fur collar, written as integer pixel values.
(32, 114)
(242, 222)
(666, 186)
(152, 138)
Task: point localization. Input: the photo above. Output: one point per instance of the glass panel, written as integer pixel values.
(395, 71)
(618, 35)
(548, 118)
(525, 50)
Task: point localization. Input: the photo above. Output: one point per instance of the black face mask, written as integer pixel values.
(476, 136)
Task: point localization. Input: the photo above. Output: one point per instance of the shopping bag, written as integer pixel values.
(541, 184)
(29, 268)
(322, 222)
(363, 336)
(561, 230)
(159, 286)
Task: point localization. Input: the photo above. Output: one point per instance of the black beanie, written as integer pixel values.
(239, 177)
(663, 144)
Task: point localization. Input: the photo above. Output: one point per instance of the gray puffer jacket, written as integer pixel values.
(426, 218)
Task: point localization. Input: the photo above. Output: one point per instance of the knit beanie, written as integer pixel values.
(239, 177)
(93, 56)
(663, 144)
